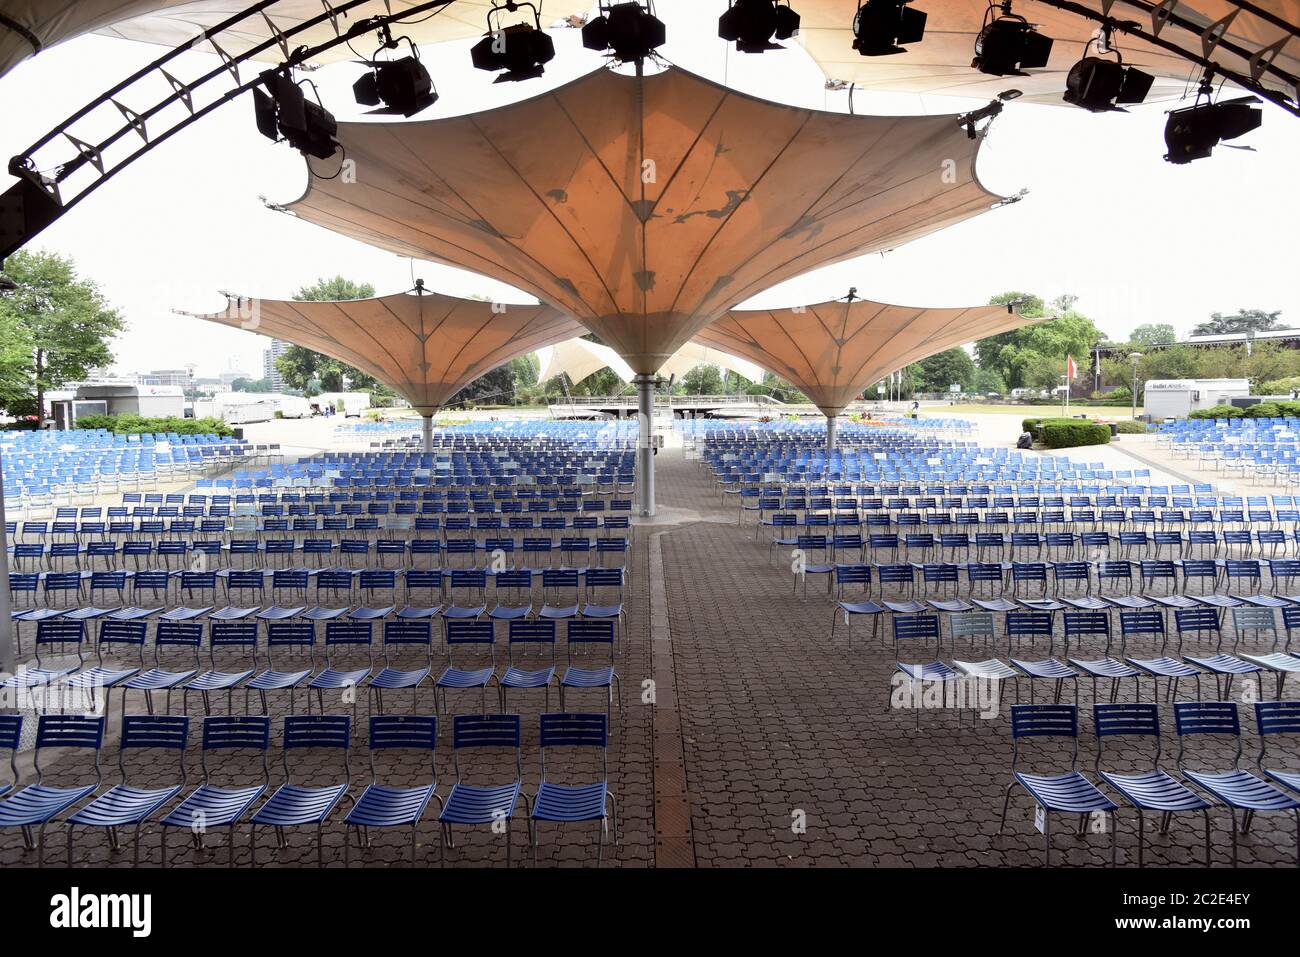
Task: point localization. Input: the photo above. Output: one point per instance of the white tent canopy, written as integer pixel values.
(580, 358)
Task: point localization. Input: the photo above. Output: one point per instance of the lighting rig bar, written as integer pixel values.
(1162, 14)
(34, 202)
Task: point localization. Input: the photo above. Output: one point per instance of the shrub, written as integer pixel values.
(1034, 426)
(1263, 410)
(1131, 427)
(1071, 433)
(129, 423)
(1217, 412)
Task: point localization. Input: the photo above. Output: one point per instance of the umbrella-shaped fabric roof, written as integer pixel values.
(834, 350)
(647, 207)
(426, 346)
(941, 62)
(174, 22)
(698, 354)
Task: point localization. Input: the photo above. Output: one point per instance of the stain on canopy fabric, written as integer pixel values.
(645, 208)
(834, 350)
(426, 347)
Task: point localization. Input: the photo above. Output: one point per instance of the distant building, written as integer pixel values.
(228, 378)
(169, 377)
(269, 371)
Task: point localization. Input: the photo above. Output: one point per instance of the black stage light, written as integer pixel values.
(518, 51)
(753, 24)
(628, 30)
(1009, 45)
(1192, 132)
(402, 86)
(880, 27)
(1097, 85)
(307, 126)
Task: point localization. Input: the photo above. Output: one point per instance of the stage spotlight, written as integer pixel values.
(753, 24)
(1009, 45)
(402, 85)
(628, 30)
(1192, 132)
(881, 26)
(1097, 85)
(285, 112)
(519, 51)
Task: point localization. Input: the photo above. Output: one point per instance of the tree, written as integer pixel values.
(1153, 334)
(56, 328)
(703, 380)
(938, 372)
(1035, 355)
(986, 381)
(299, 366)
(250, 385)
(1243, 320)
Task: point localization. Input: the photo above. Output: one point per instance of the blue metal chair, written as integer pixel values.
(854, 575)
(467, 633)
(385, 805)
(11, 733)
(111, 632)
(1066, 792)
(296, 805)
(223, 635)
(343, 636)
(575, 803)
(168, 634)
(1154, 790)
(49, 632)
(1277, 717)
(211, 806)
(494, 804)
(604, 596)
(1236, 789)
(528, 635)
(292, 636)
(37, 805)
(586, 635)
(125, 805)
(918, 675)
(400, 634)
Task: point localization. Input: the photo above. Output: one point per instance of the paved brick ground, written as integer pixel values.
(791, 757)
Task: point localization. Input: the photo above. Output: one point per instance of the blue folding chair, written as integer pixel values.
(575, 803)
(11, 732)
(385, 805)
(586, 636)
(1277, 717)
(528, 636)
(37, 805)
(854, 575)
(1154, 790)
(125, 805)
(1236, 789)
(211, 806)
(296, 805)
(400, 634)
(467, 633)
(469, 804)
(343, 636)
(1065, 792)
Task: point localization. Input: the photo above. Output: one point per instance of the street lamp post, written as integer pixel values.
(1135, 358)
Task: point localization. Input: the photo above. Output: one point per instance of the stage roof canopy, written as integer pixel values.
(941, 62)
(834, 350)
(580, 358)
(171, 23)
(426, 346)
(647, 207)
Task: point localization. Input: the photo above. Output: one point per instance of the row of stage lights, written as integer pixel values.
(1007, 45)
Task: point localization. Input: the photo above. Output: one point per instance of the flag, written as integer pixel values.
(1071, 370)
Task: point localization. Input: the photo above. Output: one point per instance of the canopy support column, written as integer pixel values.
(426, 432)
(830, 436)
(645, 452)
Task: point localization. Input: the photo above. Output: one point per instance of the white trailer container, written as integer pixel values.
(1177, 398)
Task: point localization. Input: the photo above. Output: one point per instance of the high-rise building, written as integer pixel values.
(269, 371)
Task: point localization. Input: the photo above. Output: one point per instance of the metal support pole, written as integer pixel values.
(830, 437)
(426, 433)
(645, 453)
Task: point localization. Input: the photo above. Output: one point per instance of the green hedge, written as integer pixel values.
(1131, 427)
(131, 424)
(1034, 426)
(1071, 433)
(1260, 410)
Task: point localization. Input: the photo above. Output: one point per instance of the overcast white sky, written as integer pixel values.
(1138, 240)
